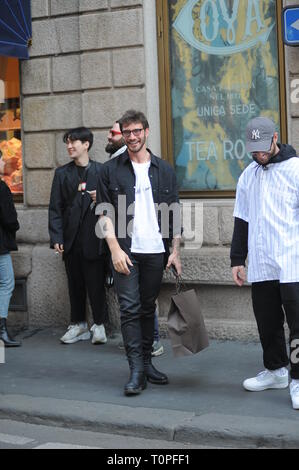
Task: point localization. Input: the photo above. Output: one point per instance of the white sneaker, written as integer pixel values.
(267, 379)
(294, 391)
(157, 348)
(98, 334)
(77, 332)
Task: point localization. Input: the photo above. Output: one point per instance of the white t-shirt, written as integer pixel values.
(146, 237)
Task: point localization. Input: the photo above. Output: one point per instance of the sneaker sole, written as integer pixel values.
(159, 352)
(98, 341)
(82, 337)
(261, 389)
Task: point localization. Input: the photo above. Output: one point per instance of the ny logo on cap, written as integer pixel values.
(255, 134)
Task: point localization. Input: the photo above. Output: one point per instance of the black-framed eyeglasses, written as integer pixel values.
(135, 132)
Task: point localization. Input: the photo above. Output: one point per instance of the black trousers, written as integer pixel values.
(137, 294)
(272, 302)
(86, 277)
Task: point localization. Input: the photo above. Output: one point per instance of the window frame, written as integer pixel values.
(163, 39)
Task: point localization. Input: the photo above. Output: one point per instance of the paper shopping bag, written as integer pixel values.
(186, 324)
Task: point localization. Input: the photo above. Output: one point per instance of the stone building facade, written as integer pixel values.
(91, 60)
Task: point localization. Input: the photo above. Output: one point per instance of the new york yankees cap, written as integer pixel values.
(259, 134)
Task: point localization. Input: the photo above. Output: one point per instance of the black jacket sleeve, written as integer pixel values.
(239, 247)
(8, 213)
(103, 195)
(56, 213)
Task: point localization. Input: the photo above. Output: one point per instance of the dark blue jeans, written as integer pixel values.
(137, 295)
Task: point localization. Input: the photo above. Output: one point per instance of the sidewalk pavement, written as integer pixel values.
(81, 386)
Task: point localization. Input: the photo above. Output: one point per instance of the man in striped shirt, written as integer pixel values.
(267, 229)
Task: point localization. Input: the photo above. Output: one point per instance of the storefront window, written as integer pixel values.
(224, 70)
(10, 125)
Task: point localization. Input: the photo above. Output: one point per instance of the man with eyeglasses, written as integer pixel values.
(267, 228)
(116, 146)
(132, 184)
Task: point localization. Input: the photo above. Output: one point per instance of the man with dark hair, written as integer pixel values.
(8, 227)
(72, 223)
(116, 144)
(132, 184)
(267, 228)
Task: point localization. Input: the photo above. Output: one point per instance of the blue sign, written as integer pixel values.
(290, 21)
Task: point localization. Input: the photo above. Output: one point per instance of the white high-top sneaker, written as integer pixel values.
(267, 380)
(74, 333)
(98, 334)
(294, 391)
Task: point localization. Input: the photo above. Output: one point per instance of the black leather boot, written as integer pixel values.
(137, 383)
(152, 374)
(133, 345)
(4, 336)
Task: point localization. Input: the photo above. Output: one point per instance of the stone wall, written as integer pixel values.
(87, 67)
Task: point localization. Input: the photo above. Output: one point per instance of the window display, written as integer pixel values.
(10, 124)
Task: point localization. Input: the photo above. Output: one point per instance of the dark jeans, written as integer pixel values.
(137, 294)
(272, 302)
(86, 277)
(156, 327)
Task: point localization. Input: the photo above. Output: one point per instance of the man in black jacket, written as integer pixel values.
(129, 187)
(8, 227)
(72, 223)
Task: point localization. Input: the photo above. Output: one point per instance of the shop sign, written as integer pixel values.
(290, 21)
(212, 12)
(224, 72)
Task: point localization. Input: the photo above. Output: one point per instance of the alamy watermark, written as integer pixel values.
(2, 352)
(185, 218)
(295, 93)
(295, 351)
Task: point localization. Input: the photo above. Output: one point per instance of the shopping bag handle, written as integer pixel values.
(180, 285)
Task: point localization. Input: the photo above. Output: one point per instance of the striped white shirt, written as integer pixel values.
(269, 201)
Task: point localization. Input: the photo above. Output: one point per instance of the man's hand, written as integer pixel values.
(239, 275)
(93, 195)
(174, 260)
(120, 261)
(58, 248)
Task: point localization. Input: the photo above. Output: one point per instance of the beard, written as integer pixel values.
(265, 159)
(114, 146)
(139, 147)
